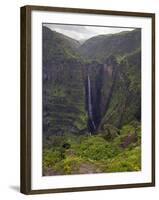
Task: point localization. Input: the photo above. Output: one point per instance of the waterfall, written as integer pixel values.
(90, 112)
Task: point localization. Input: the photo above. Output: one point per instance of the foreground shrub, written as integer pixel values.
(127, 161)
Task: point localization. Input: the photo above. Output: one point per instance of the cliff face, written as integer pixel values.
(102, 78)
(114, 74)
(63, 86)
(116, 81)
(116, 91)
(124, 104)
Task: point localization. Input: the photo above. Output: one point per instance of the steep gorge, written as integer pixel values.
(116, 91)
(82, 93)
(102, 78)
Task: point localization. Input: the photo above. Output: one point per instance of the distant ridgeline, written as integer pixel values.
(88, 86)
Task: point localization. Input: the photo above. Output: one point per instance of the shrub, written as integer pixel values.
(109, 132)
(50, 158)
(95, 148)
(69, 165)
(126, 161)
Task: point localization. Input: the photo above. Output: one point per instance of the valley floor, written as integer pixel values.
(103, 152)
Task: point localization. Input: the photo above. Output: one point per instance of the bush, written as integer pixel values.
(95, 148)
(50, 158)
(126, 161)
(109, 132)
(70, 165)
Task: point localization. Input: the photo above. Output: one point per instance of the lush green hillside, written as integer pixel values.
(118, 45)
(99, 83)
(63, 86)
(58, 47)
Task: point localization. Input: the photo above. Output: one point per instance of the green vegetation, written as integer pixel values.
(63, 85)
(119, 45)
(113, 63)
(94, 154)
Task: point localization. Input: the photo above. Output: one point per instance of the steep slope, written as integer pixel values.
(58, 47)
(63, 86)
(125, 102)
(119, 44)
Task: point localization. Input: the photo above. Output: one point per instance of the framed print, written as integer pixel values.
(87, 99)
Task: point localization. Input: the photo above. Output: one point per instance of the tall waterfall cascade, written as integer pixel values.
(90, 112)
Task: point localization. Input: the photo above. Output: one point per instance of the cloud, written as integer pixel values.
(80, 32)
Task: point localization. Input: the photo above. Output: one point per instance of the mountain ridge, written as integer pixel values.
(79, 44)
(102, 46)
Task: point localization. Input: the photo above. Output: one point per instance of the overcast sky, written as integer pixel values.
(84, 32)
